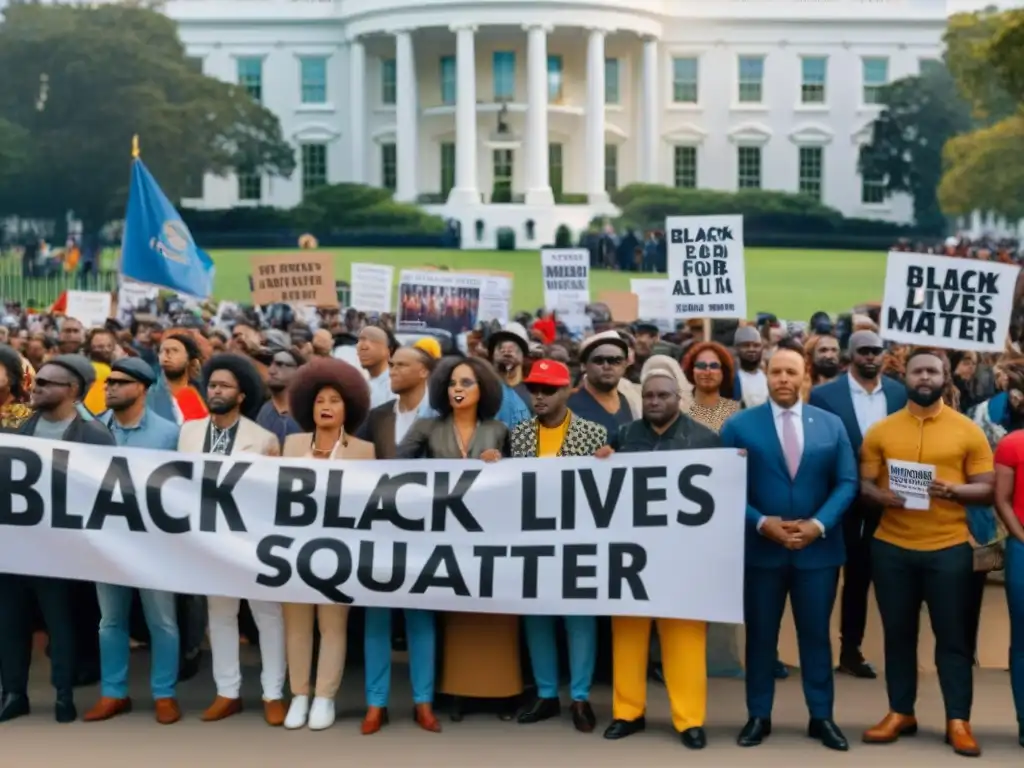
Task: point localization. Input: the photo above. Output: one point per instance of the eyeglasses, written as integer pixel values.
(602, 360)
(119, 382)
(50, 383)
(462, 383)
(702, 366)
(542, 389)
(869, 351)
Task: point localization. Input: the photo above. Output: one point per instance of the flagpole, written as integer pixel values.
(135, 147)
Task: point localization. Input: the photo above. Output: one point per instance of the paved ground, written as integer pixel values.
(482, 740)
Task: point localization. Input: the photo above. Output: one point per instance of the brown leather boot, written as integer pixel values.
(274, 712)
(890, 729)
(426, 719)
(167, 711)
(221, 708)
(107, 708)
(960, 738)
(376, 718)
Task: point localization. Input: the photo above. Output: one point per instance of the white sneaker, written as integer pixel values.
(298, 711)
(321, 714)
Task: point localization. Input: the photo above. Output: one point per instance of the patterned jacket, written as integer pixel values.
(583, 438)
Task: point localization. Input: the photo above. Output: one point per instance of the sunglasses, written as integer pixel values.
(542, 389)
(51, 383)
(869, 351)
(602, 360)
(702, 366)
(119, 382)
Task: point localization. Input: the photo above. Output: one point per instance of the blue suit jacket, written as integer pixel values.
(836, 397)
(825, 484)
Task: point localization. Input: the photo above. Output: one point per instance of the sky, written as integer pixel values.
(965, 6)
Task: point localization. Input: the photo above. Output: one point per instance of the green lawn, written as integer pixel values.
(790, 283)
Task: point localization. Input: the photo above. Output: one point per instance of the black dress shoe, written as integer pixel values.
(583, 718)
(755, 731)
(13, 705)
(854, 664)
(620, 729)
(828, 733)
(694, 738)
(64, 710)
(540, 709)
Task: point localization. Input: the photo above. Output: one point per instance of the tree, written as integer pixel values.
(969, 54)
(920, 114)
(81, 81)
(984, 171)
(14, 151)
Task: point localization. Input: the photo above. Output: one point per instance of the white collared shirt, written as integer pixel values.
(753, 388)
(869, 407)
(405, 419)
(380, 389)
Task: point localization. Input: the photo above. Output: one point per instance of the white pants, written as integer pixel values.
(227, 669)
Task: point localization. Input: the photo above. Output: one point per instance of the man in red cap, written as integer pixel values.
(556, 431)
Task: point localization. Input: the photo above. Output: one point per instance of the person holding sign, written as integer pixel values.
(801, 478)
(924, 465)
(329, 399)
(556, 431)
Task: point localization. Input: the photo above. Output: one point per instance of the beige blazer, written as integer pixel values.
(251, 438)
(297, 446)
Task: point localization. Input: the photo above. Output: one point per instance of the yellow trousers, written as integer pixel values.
(683, 658)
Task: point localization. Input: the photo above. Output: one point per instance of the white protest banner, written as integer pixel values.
(641, 534)
(371, 287)
(653, 303)
(706, 268)
(945, 302)
(134, 297)
(453, 301)
(90, 308)
(911, 480)
(566, 274)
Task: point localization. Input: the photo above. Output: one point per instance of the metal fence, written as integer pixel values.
(43, 288)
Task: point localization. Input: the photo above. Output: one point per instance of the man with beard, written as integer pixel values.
(134, 425)
(55, 394)
(273, 416)
(101, 343)
(683, 642)
(235, 393)
(861, 399)
(71, 338)
(751, 387)
(374, 351)
(824, 354)
(557, 431)
(506, 349)
(175, 396)
(603, 357)
(925, 555)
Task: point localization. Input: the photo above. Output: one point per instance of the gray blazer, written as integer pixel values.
(435, 439)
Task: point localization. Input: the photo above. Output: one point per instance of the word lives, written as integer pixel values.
(296, 282)
(955, 305)
(704, 268)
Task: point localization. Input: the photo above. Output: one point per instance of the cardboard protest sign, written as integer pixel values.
(945, 302)
(706, 267)
(653, 302)
(371, 287)
(622, 304)
(294, 278)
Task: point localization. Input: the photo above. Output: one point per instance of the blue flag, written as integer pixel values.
(157, 247)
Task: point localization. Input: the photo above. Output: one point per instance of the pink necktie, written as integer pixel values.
(790, 443)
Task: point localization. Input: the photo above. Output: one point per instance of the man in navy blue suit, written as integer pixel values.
(860, 399)
(801, 477)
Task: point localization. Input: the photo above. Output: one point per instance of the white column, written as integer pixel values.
(357, 107)
(465, 191)
(407, 125)
(651, 131)
(538, 186)
(595, 118)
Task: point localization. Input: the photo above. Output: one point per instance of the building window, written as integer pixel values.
(611, 167)
(504, 68)
(751, 79)
(250, 186)
(555, 169)
(388, 81)
(749, 166)
(502, 174)
(554, 79)
(314, 79)
(876, 77)
(449, 82)
(447, 168)
(611, 81)
(811, 169)
(314, 166)
(685, 165)
(193, 186)
(873, 189)
(389, 166)
(250, 76)
(930, 66)
(814, 72)
(685, 74)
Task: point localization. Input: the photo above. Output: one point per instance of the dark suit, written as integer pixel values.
(825, 484)
(379, 429)
(861, 519)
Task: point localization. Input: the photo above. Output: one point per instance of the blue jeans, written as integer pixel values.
(421, 636)
(1015, 602)
(581, 634)
(161, 618)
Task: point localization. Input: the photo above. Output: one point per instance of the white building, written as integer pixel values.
(591, 94)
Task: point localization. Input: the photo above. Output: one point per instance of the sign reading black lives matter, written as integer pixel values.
(945, 302)
(655, 534)
(706, 270)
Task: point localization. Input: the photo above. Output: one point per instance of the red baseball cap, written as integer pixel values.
(549, 373)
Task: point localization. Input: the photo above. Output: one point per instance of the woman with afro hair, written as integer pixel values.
(13, 410)
(329, 399)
